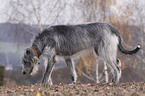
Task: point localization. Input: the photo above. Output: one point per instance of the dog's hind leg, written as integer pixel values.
(105, 66)
(107, 50)
(118, 62)
(71, 65)
(48, 71)
(97, 68)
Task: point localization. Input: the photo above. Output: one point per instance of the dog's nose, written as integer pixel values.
(24, 72)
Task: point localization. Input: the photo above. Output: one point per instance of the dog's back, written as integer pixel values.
(70, 39)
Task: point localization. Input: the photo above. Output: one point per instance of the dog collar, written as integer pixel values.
(35, 51)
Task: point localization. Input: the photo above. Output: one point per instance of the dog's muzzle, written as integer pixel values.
(27, 71)
(31, 70)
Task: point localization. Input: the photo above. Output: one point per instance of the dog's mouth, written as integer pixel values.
(31, 70)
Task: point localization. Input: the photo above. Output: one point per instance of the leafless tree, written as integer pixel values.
(37, 12)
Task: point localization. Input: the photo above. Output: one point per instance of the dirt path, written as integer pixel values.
(121, 89)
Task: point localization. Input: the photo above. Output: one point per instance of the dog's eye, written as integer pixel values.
(28, 52)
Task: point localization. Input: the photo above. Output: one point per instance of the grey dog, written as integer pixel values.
(67, 40)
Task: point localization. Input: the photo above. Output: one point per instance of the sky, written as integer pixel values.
(3, 7)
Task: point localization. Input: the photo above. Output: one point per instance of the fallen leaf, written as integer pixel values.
(74, 91)
(63, 91)
(38, 94)
(17, 87)
(17, 91)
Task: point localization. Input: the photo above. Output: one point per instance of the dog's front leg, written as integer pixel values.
(71, 65)
(48, 71)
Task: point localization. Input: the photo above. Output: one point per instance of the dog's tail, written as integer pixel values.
(123, 50)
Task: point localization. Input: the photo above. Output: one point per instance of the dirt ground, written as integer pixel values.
(121, 89)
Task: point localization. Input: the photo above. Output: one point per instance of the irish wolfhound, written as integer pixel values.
(67, 40)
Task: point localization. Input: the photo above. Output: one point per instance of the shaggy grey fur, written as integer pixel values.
(67, 40)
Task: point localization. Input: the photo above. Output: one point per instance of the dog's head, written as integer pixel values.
(29, 61)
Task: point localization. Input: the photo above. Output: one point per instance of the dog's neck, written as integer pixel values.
(35, 52)
(41, 41)
(39, 44)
